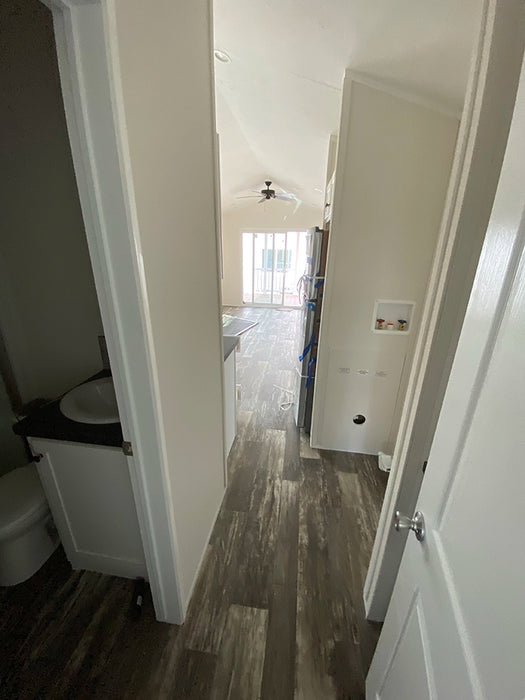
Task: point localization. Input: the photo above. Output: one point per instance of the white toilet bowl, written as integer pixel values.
(27, 534)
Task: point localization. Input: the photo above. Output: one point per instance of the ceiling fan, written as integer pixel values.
(268, 193)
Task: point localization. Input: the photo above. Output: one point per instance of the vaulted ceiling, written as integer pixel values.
(278, 100)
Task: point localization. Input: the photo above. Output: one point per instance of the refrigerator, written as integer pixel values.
(311, 292)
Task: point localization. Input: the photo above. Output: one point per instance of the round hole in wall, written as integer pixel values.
(359, 419)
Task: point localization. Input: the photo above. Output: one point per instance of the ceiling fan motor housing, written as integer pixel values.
(268, 193)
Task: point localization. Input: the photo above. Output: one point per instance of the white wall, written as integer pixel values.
(272, 215)
(48, 306)
(392, 173)
(165, 55)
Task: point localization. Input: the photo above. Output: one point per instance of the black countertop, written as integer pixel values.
(48, 421)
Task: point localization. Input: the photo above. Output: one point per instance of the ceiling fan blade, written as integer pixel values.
(248, 196)
(286, 196)
(262, 199)
(282, 190)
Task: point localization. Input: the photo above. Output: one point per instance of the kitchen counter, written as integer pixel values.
(236, 325)
(48, 421)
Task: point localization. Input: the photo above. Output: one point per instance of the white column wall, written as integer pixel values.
(392, 173)
(167, 82)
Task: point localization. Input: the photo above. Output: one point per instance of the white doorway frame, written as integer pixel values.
(479, 154)
(86, 40)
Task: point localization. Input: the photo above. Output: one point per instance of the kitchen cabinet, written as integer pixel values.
(230, 403)
(230, 392)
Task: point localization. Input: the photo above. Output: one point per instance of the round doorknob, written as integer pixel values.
(416, 524)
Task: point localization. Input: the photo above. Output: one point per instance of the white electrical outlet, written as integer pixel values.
(344, 370)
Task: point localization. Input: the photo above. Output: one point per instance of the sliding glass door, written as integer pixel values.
(273, 262)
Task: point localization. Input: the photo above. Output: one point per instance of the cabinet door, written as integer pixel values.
(230, 403)
(89, 492)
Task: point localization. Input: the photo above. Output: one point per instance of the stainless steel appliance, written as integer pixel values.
(311, 291)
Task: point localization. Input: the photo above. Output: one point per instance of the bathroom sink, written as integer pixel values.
(93, 402)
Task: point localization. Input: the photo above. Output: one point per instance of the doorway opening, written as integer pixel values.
(272, 265)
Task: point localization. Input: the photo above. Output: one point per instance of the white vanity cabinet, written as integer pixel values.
(88, 488)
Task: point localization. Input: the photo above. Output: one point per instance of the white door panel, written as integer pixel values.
(463, 634)
(88, 488)
(411, 652)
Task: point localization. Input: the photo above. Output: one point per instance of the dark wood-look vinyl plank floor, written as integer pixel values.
(298, 554)
(277, 611)
(70, 634)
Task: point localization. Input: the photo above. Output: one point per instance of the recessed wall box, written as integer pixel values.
(392, 311)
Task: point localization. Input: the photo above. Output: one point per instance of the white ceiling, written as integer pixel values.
(278, 100)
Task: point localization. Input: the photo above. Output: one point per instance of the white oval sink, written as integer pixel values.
(93, 402)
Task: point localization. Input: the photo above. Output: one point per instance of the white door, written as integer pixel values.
(455, 627)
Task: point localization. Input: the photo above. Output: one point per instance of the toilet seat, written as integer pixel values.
(22, 499)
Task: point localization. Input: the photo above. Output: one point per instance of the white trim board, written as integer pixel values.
(87, 55)
(479, 153)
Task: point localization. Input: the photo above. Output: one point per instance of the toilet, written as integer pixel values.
(27, 534)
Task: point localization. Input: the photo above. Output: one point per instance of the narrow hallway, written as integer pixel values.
(277, 611)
